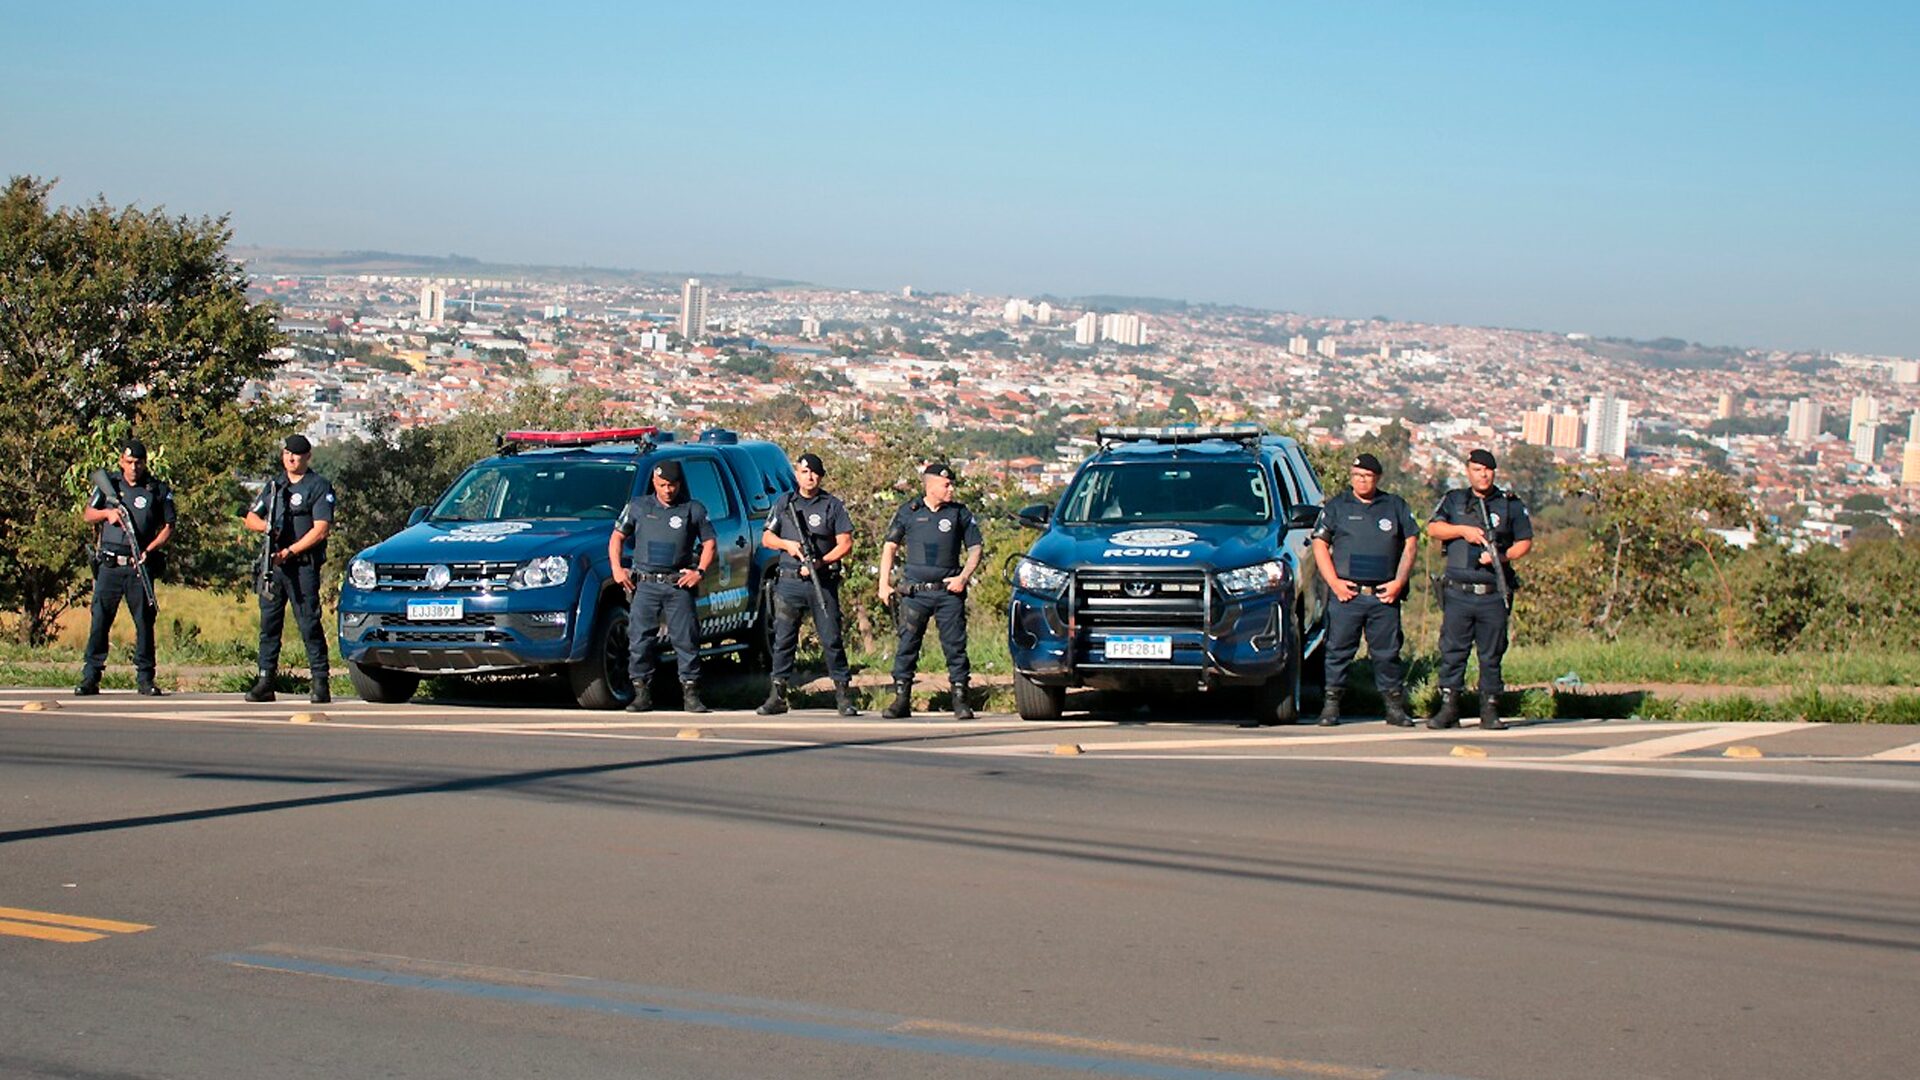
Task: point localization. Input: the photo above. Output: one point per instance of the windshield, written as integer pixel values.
(538, 490)
(1198, 492)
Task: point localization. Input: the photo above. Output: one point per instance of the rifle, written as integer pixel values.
(1493, 551)
(811, 566)
(264, 581)
(110, 491)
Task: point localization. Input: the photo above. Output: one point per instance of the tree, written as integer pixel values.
(115, 321)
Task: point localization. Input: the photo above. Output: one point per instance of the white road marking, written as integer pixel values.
(1651, 749)
(1909, 752)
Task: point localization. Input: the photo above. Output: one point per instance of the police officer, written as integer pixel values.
(809, 551)
(296, 512)
(117, 563)
(1364, 549)
(1474, 611)
(673, 545)
(935, 531)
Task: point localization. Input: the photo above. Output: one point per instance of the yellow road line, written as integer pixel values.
(56, 919)
(45, 933)
(1146, 1050)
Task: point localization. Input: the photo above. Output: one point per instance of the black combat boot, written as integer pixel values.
(147, 689)
(843, 698)
(1448, 714)
(89, 685)
(642, 699)
(321, 692)
(1330, 706)
(262, 689)
(690, 698)
(1490, 713)
(961, 710)
(901, 706)
(776, 702)
(1397, 708)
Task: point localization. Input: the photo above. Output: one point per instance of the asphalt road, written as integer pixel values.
(197, 888)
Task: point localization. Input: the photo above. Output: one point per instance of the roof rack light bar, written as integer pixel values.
(514, 440)
(1175, 434)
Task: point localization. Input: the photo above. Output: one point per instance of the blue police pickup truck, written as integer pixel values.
(1179, 559)
(508, 571)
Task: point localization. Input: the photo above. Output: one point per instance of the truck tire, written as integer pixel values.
(600, 681)
(382, 686)
(1036, 702)
(1278, 702)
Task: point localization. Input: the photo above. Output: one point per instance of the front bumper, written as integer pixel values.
(496, 632)
(1243, 642)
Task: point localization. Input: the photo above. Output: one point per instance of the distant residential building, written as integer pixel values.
(693, 309)
(1803, 421)
(1607, 418)
(1910, 464)
(1299, 346)
(1086, 329)
(1123, 329)
(653, 341)
(1569, 431)
(809, 326)
(1536, 427)
(1386, 350)
(1865, 411)
(1906, 372)
(1043, 313)
(1327, 347)
(554, 311)
(433, 303)
(1016, 310)
(1728, 406)
(1866, 443)
(1913, 428)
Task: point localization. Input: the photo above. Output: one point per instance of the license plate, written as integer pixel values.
(1140, 647)
(430, 610)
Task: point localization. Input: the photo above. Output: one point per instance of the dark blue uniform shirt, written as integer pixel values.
(1366, 537)
(301, 505)
(824, 517)
(149, 503)
(933, 541)
(665, 538)
(1507, 514)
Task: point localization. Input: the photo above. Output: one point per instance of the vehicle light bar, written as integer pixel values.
(1174, 434)
(576, 438)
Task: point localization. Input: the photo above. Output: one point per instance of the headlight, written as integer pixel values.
(540, 573)
(1039, 578)
(362, 574)
(1261, 577)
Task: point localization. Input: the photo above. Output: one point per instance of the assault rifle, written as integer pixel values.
(1493, 552)
(110, 491)
(265, 583)
(810, 566)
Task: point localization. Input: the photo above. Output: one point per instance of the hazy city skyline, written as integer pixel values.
(1716, 173)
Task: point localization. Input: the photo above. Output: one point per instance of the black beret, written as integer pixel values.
(134, 448)
(1482, 457)
(1369, 463)
(940, 469)
(813, 464)
(670, 470)
(298, 444)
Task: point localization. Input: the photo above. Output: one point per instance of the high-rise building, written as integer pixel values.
(1015, 311)
(1299, 346)
(1910, 464)
(1913, 429)
(1086, 329)
(1569, 431)
(809, 326)
(1728, 406)
(1123, 329)
(1536, 427)
(1327, 347)
(1803, 421)
(693, 309)
(1865, 411)
(1607, 418)
(433, 303)
(1043, 313)
(1866, 443)
(1906, 372)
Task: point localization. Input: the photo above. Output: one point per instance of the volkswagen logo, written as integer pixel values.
(438, 575)
(1138, 589)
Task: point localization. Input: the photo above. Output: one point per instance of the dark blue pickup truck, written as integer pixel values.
(1177, 560)
(508, 571)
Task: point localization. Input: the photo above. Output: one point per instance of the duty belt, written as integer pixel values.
(109, 558)
(1475, 588)
(910, 588)
(1378, 589)
(671, 577)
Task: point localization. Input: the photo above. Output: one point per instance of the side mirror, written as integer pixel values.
(415, 516)
(1035, 516)
(1303, 517)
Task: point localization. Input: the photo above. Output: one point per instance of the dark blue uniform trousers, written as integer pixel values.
(1472, 622)
(949, 612)
(299, 587)
(793, 599)
(110, 584)
(1381, 624)
(653, 600)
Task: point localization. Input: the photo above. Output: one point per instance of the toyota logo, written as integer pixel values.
(1138, 589)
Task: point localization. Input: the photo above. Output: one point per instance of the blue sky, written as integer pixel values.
(1729, 173)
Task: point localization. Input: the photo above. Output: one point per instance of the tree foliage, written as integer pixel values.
(118, 320)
